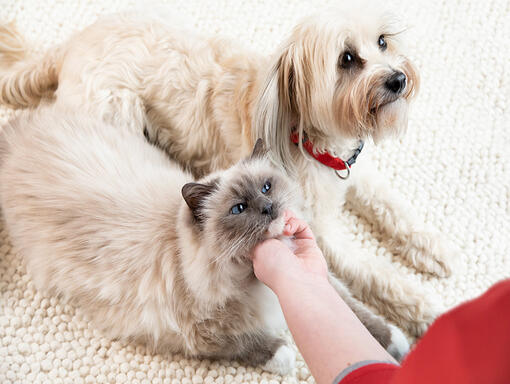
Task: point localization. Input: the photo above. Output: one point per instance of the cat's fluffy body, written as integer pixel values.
(98, 216)
(99, 219)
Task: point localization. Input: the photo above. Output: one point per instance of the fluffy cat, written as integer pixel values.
(107, 221)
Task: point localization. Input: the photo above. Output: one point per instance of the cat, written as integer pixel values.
(108, 222)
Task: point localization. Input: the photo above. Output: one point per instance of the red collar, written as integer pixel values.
(325, 157)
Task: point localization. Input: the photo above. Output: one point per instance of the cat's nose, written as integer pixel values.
(267, 209)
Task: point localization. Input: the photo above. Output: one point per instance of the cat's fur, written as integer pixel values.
(98, 216)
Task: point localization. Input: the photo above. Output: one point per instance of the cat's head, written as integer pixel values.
(241, 206)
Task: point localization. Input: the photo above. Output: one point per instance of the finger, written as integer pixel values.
(299, 229)
(287, 215)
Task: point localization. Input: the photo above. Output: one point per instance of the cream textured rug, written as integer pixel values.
(453, 164)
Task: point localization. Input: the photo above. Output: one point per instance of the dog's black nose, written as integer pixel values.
(396, 83)
(267, 209)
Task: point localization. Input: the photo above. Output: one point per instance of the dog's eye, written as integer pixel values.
(266, 187)
(347, 60)
(382, 43)
(237, 209)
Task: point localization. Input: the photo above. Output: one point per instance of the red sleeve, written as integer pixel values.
(380, 373)
(468, 345)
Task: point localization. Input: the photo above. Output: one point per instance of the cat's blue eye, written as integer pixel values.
(237, 209)
(266, 187)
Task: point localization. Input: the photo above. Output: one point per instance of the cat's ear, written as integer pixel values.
(194, 194)
(259, 150)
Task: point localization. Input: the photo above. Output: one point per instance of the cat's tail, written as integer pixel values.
(24, 80)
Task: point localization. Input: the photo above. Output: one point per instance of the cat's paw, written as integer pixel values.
(282, 362)
(399, 346)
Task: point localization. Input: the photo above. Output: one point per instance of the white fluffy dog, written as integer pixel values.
(339, 78)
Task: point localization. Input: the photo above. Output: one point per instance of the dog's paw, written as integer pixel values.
(282, 362)
(426, 311)
(399, 346)
(444, 257)
(416, 310)
(429, 253)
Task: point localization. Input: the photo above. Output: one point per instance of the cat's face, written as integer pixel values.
(243, 205)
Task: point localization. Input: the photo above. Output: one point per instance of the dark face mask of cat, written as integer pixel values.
(243, 209)
(257, 203)
(255, 213)
(261, 204)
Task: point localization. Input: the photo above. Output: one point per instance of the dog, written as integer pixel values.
(339, 79)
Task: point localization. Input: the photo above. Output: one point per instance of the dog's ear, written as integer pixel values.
(259, 150)
(287, 80)
(194, 195)
(278, 108)
(295, 76)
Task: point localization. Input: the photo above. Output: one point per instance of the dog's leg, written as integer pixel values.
(389, 336)
(127, 107)
(121, 107)
(425, 250)
(377, 282)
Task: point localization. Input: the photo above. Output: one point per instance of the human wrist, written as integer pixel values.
(295, 282)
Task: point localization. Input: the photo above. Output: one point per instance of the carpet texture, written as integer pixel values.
(453, 164)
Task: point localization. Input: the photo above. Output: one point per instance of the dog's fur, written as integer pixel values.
(205, 101)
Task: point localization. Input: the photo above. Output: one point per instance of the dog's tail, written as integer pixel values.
(24, 81)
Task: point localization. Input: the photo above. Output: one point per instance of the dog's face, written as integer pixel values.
(342, 74)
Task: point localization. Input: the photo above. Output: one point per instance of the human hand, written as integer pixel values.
(274, 262)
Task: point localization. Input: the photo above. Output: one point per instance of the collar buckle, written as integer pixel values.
(355, 155)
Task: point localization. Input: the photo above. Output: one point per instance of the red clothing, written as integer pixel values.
(468, 345)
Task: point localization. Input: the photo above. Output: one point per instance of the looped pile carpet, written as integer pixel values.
(453, 164)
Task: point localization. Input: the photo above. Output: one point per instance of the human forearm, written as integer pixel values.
(328, 334)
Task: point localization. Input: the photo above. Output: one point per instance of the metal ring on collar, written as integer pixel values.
(347, 168)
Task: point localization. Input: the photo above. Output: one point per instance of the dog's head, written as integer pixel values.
(341, 75)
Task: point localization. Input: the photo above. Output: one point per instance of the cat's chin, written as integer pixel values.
(275, 229)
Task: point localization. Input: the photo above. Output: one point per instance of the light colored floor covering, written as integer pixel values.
(453, 164)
